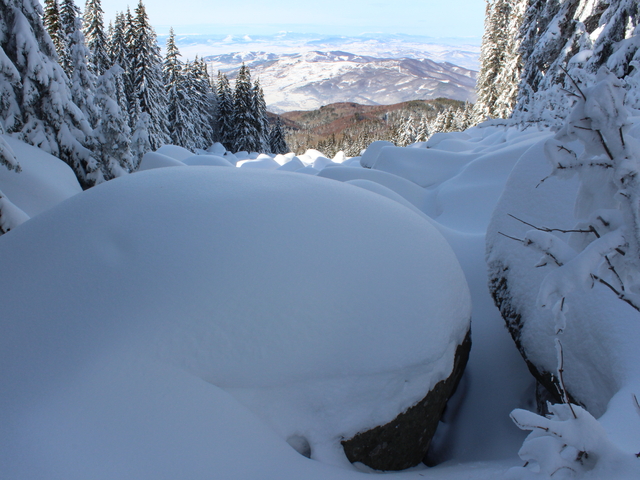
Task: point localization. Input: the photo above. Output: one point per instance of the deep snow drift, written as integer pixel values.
(97, 390)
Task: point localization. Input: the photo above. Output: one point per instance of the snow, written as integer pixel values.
(327, 310)
(43, 182)
(260, 313)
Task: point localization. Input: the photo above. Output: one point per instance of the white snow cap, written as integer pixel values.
(324, 308)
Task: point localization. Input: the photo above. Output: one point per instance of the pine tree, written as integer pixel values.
(119, 55)
(147, 78)
(261, 122)
(69, 12)
(112, 132)
(277, 142)
(51, 19)
(492, 57)
(95, 37)
(83, 81)
(35, 101)
(201, 98)
(246, 136)
(179, 104)
(224, 112)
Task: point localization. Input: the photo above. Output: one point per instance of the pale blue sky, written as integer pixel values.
(434, 18)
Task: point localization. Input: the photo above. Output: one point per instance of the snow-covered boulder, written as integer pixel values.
(291, 165)
(175, 151)
(369, 157)
(325, 309)
(262, 162)
(151, 160)
(600, 336)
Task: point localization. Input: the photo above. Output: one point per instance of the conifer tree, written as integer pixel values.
(112, 132)
(83, 81)
(202, 100)
(261, 122)
(119, 55)
(51, 19)
(246, 136)
(147, 78)
(35, 101)
(179, 105)
(95, 37)
(224, 112)
(277, 142)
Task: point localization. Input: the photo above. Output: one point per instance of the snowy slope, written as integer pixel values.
(306, 81)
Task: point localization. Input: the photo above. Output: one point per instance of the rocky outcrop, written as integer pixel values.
(404, 442)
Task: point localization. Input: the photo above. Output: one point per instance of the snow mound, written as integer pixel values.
(151, 160)
(208, 160)
(176, 152)
(322, 307)
(43, 182)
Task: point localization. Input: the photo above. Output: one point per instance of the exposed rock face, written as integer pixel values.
(403, 442)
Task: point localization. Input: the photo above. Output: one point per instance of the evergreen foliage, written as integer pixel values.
(179, 105)
(224, 112)
(277, 142)
(96, 38)
(35, 100)
(245, 134)
(148, 85)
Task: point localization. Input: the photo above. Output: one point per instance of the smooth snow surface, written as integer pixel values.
(43, 182)
(207, 322)
(322, 307)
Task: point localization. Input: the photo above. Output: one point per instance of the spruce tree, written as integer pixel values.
(179, 105)
(35, 101)
(204, 100)
(119, 55)
(147, 78)
(246, 136)
(51, 19)
(261, 121)
(95, 37)
(83, 81)
(277, 142)
(112, 132)
(224, 112)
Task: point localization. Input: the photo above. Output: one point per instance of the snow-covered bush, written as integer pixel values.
(569, 443)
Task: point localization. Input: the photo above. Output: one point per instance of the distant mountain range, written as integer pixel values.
(309, 80)
(464, 52)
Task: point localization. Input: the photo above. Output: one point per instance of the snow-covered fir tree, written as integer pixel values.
(83, 81)
(35, 100)
(245, 134)
(261, 121)
(95, 37)
(277, 142)
(51, 19)
(224, 111)
(119, 55)
(148, 85)
(69, 12)
(179, 104)
(203, 100)
(112, 132)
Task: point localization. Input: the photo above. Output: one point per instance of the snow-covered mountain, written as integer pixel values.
(459, 51)
(309, 80)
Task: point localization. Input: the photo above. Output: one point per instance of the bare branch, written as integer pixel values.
(550, 230)
(620, 294)
(565, 397)
(512, 238)
(604, 144)
(575, 84)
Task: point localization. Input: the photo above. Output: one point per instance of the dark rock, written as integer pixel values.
(403, 442)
